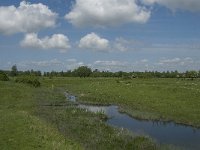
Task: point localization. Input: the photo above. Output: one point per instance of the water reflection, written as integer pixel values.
(163, 132)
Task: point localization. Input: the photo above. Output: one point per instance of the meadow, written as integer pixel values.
(42, 118)
(152, 99)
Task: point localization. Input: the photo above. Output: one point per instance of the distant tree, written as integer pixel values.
(61, 74)
(39, 73)
(191, 74)
(14, 71)
(96, 73)
(27, 72)
(83, 71)
(68, 74)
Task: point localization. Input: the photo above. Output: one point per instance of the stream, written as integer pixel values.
(185, 137)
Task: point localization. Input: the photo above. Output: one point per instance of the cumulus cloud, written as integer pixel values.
(191, 5)
(56, 41)
(101, 13)
(26, 18)
(94, 42)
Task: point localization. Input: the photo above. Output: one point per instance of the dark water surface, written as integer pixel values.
(182, 136)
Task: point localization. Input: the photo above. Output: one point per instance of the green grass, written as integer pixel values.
(19, 128)
(157, 99)
(41, 118)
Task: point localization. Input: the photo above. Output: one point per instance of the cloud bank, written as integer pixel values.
(26, 18)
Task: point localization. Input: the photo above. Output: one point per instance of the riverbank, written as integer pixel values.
(184, 137)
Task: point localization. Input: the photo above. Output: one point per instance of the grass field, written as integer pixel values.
(19, 128)
(41, 118)
(158, 99)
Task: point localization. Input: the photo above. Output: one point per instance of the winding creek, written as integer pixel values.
(185, 137)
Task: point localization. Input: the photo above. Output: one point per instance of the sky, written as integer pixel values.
(109, 35)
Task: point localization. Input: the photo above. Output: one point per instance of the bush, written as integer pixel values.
(83, 71)
(3, 76)
(31, 80)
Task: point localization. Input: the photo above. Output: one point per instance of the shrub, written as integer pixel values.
(3, 76)
(83, 71)
(31, 80)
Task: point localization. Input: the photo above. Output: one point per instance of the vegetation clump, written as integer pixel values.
(3, 76)
(83, 71)
(31, 80)
(14, 71)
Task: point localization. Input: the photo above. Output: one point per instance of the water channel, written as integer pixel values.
(185, 137)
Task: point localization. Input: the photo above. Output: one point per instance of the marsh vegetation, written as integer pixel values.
(42, 118)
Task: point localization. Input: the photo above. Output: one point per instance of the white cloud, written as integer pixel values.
(163, 64)
(144, 61)
(94, 42)
(26, 18)
(176, 61)
(47, 65)
(191, 5)
(120, 65)
(170, 61)
(111, 65)
(101, 13)
(57, 41)
(123, 45)
(44, 63)
(73, 63)
(181, 64)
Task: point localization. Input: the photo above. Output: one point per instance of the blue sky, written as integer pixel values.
(104, 34)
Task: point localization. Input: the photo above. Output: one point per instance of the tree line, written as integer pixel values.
(85, 71)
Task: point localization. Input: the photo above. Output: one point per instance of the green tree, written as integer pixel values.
(191, 74)
(83, 71)
(14, 71)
